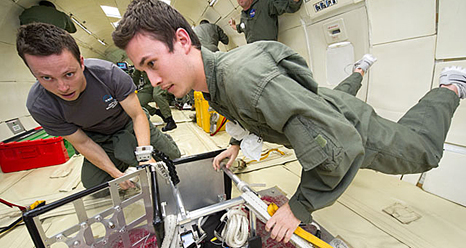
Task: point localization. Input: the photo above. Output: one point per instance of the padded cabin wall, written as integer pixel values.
(292, 32)
(413, 47)
(403, 39)
(15, 78)
(326, 56)
(451, 51)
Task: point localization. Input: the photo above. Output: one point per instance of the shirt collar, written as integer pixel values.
(208, 58)
(250, 7)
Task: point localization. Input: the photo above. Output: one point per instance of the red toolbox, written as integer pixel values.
(33, 149)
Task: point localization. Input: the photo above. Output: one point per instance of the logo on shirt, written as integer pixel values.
(112, 102)
(252, 13)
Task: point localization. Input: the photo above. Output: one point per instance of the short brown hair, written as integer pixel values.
(42, 39)
(155, 18)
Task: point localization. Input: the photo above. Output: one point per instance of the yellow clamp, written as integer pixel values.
(267, 153)
(272, 208)
(36, 204)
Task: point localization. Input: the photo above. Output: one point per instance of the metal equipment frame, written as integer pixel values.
(113, 219)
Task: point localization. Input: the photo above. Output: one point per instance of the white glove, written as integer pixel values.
(251, 144)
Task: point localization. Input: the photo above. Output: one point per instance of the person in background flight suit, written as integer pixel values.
(259, 18)
(90, 102)
(210, 34)
(148, 94)
(268, 92)
(46, 12)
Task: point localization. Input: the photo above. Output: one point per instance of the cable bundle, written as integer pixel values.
(236, 231)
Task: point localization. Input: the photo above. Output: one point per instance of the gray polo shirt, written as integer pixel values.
(97, 109)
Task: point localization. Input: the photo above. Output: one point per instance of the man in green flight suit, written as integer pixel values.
(259, 18)
(46, 12)
(210, 34)
(148, 93)
(268, 90)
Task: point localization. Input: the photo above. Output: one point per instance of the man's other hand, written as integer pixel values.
(231, 153)
(282, 224)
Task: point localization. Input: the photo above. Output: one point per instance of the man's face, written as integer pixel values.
(168, 70)
(245, 4)
(60, 74)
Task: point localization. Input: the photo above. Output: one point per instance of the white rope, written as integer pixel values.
(170, 239)
(236, 231)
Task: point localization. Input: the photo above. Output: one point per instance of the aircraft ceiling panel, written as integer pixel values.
(9, 12)
(90, 14)
(192, 10)
(27, 3)
(224, 7)
(211, 14)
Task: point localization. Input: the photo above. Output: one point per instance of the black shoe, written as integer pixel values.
(170, 125)
(159, 113)
(179, 106)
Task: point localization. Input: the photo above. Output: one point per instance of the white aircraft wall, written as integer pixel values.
(412, 39)
(15, 77)
(412, 50)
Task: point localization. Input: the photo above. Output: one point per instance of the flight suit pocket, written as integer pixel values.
(313, 147)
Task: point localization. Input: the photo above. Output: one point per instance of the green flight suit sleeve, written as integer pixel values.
(234, 141)
(136, 76)
(70, 27)
(222, 36)
(278, 7)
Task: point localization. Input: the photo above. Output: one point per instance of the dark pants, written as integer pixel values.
(120, 148)
(157, 95)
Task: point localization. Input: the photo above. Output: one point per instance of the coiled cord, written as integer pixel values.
(236, 231)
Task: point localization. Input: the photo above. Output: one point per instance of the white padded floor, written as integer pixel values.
(357, 216)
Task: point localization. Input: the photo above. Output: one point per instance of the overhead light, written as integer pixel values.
(115, 24)
(102, 42)
(80, 25)
(212, 2)
(111, 11)
(167, 1)
(87, 30)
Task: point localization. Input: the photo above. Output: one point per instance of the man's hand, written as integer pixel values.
(283, 224)
(232, 23)
(231, 152)
(96, 155)
(125, 184)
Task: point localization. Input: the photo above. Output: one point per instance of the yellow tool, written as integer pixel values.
(265, 154)
(18, 221)
(37, 204)
(272, 208)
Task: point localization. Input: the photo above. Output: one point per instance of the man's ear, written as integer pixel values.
(183, 38)
(81, 61)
